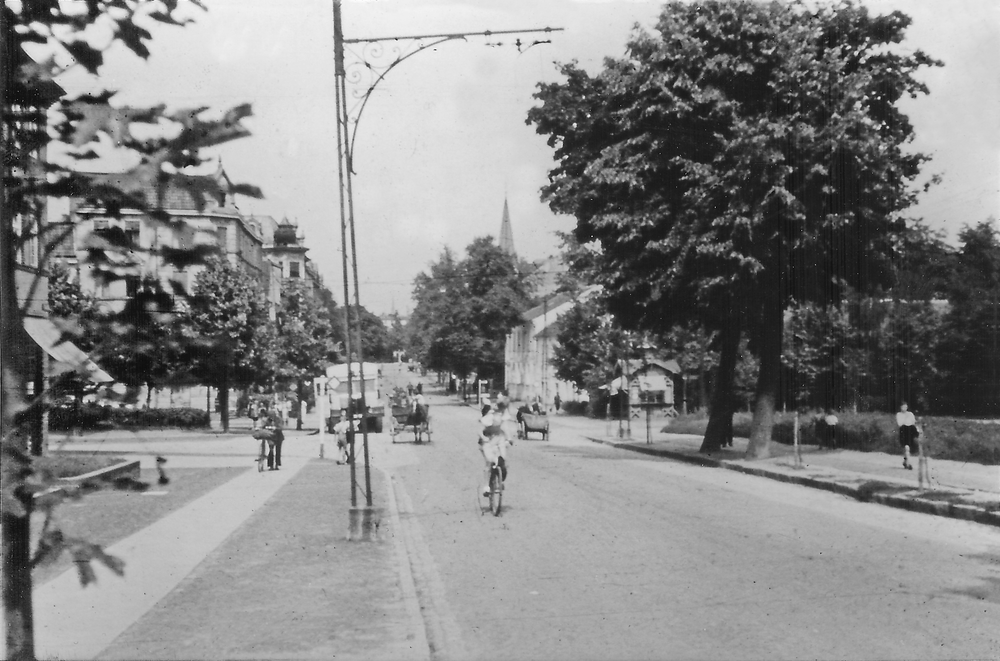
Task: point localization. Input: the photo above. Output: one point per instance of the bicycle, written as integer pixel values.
(261, 457)
(496, 487)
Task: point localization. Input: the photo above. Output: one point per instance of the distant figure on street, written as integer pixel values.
(253, 412)
(303, 409)
(341, 429)
(830, 429)
(286, 408)
(908, 433)
(557, 401)
(273, 423)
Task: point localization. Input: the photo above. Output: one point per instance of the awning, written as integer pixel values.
(66, 356)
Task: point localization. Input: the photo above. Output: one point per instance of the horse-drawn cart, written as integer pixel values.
(528, 423)
(414, 417)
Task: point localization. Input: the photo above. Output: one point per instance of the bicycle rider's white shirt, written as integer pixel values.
(497, 445)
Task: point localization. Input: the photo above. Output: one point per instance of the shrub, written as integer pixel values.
(183, 418)
(575, 408)
(88, 416)
(955, 439)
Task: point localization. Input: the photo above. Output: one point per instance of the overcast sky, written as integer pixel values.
(443, 141)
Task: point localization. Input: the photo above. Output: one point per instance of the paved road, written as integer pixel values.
(601, 554)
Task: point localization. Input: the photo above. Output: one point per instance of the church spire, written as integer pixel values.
(506, 233)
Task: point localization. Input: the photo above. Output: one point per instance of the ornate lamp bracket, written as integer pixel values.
(371, 60)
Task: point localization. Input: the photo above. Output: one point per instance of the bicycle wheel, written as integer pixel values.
(496, 491)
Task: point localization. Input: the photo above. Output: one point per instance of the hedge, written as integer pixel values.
(92, 416)
(956, 439)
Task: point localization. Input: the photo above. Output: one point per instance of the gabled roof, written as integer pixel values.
(546, 306)
(551, 303)
(668, 365)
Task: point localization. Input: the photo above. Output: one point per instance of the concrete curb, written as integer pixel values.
(124, 469)
(913, 503)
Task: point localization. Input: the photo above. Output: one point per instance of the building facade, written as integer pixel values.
(528, 371)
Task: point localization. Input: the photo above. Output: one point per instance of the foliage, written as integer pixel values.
(304, 336)
(160, 145)
(229, 310)
(145, 418)
(954, 439)
(590, 346)
(68, 301)
(464, 310)
(86, 417)
(750, 154)
(970, 351)
(377, 343)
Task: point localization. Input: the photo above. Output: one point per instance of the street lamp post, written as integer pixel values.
(364, 520)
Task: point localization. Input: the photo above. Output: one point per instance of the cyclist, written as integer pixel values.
(493, 441)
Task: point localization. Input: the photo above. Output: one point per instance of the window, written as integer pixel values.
(222, 238)
(293, 270)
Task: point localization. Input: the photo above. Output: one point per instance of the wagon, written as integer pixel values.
(533, 422)
(418, 420)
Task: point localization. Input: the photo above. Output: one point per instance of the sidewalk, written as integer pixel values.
(958, 490)
(259, 567)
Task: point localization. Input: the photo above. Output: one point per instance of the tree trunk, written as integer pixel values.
(224, 400)
(720, 417)
(769, 377)
(15, 584)
(300, 391)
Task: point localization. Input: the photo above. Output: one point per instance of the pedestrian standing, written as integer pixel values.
(253, 411)
(286, 409)
(908, 433)
(303, 409)
(830, 420)
(558, 402)
(274, 451)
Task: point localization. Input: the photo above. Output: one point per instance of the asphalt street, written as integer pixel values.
(601, 554)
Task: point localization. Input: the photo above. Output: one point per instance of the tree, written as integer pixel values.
(304, 340)
(970, 352)
(168, 145)
(749, 155)
(144, 344)
(375, 336)
(229, 313)
(590, 346)
(464, 310)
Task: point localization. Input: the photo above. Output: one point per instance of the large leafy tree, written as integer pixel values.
(465, 309)
(745, 155)
(61, 36)
(229, 312)
(432, 303)
(591, 346)
(970, 351)
(377, 344)
(304, 339)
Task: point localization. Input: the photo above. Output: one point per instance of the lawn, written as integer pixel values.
(956, 439)
(71, 464)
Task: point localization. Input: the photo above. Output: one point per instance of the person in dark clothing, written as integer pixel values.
(274, 448)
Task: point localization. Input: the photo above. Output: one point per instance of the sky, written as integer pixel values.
(442, 143)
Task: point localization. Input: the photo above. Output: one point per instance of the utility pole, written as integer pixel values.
(364, 521)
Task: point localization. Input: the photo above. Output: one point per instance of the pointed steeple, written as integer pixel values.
(506, 233)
